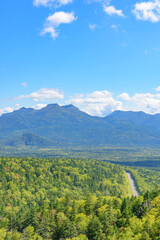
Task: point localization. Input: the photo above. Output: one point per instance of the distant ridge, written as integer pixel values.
(68, 126)
(27, 139)
(136, 117)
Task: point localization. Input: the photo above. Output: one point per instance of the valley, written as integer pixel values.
(80, 120)
(67, 175)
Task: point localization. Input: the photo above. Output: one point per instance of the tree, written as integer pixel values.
(95, 229)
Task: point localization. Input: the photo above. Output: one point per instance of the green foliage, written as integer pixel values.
(70, 199)
(145, 179)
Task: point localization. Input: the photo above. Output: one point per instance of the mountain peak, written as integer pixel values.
(50, 107)
(23, 109)
(119, 113)
(135, 117)
(20, 111)
(70, 107)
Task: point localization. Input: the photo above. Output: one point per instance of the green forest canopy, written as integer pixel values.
(73, 199)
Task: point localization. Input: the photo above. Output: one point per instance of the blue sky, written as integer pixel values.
(98, 55)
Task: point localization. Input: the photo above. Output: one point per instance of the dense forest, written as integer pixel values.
(129, 156)
(73, 199)
(145, 179)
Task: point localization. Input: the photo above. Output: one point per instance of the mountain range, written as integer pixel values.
(56, 125)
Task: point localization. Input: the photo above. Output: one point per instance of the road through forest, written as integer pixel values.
(132, 183)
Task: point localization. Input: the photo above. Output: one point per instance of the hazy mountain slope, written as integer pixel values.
(147, 124)
(67, 125)
(27, 139)
(135, 117)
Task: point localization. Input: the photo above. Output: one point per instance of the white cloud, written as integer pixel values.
(24, 84)
(17, 107)
(6, 110)
(39, 106)
(157, 89)
(147, 102)
(124, 96)
(115, 27)
(47, 3)
(50, 30)
(98, 103)
(53, 21)
(92, 26)
(111, 10)
(148, 11)
(43, 94)
(60, 17)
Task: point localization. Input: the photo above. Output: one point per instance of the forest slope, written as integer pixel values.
(72, 199)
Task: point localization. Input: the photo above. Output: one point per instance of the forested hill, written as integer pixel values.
(27, 139)
(69, 199)
(68, 126)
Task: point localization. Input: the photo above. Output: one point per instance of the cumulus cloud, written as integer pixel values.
(53, 22)
(146, 102)
(101, 103)
(124, 96)
(51, 30)
(39, 106)
(149, 10)
(92, 26)
(61, 17)
(157, 89)
(111, 10)
(47, 3)
(5, 110)
(17, 107)
(98, 103)
(43, 94)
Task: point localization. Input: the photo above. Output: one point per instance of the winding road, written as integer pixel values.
(135, 193)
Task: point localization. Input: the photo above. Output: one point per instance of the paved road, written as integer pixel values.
(135, 193)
